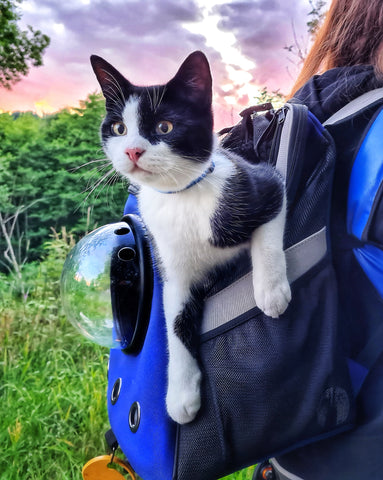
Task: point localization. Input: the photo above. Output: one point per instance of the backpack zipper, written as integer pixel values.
(279, 119)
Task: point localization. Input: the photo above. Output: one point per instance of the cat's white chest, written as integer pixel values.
(180, 225)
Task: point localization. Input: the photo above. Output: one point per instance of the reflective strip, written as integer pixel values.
(283, 473)
(304, 255)
(238, 297)
(355, 105)
(228, 303)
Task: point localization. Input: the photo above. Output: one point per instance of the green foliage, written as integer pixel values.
(275, 97)
(52, 381)
(246, 474)
(48, 168)
(18, 48)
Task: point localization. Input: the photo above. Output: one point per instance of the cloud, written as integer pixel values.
(139, 35)
(147, 41)
(144, 39)
(262, 29)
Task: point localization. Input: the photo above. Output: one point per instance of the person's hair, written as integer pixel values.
(351, 34)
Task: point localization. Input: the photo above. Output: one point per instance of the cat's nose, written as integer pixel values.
(134, 153)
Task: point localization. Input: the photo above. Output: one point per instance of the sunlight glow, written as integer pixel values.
(230, 100)
(236, 64)
(223, 42)
(239, 77)
(42, 107)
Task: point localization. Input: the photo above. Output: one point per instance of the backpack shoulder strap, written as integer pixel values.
(356, 105)
(366, 180)
(365, 191)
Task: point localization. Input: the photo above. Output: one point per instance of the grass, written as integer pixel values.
(53, 413)
(246, 474)
(52, 382)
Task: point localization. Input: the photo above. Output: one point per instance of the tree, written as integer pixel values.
(18, 48)
(53, 174)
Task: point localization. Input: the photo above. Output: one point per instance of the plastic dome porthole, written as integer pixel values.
(107, 284)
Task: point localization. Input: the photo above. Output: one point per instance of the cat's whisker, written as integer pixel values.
(154, 97)
(150, 98)
(90, 163)
(188, 169)
(158, 96)
(95, 171)
(161, 98)
(116, 84)
(115, 98)
(92, 188)
(108, 183)
(98, 183)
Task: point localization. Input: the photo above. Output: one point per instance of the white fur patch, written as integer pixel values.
(116, 146)
(272, 292)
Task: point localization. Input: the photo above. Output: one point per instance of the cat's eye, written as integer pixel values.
(119, 128)
(164, 127)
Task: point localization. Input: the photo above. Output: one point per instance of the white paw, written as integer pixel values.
(272, 296)
(183, 399)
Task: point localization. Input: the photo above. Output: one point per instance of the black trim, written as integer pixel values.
(366, 235)
(145, 279)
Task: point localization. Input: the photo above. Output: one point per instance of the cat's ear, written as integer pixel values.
(194, 79)
(114, 86)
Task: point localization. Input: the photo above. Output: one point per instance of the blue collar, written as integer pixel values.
(208, 170)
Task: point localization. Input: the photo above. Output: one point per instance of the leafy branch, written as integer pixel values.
(18, 48)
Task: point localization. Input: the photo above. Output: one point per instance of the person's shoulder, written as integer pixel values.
(325, 94)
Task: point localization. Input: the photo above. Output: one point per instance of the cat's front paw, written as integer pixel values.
(183, 399)
(272, 297)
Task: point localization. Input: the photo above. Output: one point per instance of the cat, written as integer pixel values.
(203, 205)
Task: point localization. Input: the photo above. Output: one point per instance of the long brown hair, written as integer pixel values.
(351, 34)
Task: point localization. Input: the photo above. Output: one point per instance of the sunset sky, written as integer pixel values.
(148, 39)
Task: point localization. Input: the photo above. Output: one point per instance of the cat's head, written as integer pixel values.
(159, 136)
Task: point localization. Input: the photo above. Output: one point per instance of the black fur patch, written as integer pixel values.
(191, 136)
(188, 321)
(252, 197)
(185, 101)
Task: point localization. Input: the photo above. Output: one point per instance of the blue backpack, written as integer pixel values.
(269, 386)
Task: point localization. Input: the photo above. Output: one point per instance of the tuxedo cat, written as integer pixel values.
(202, 204)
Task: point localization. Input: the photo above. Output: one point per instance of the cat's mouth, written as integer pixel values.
(138, 169)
